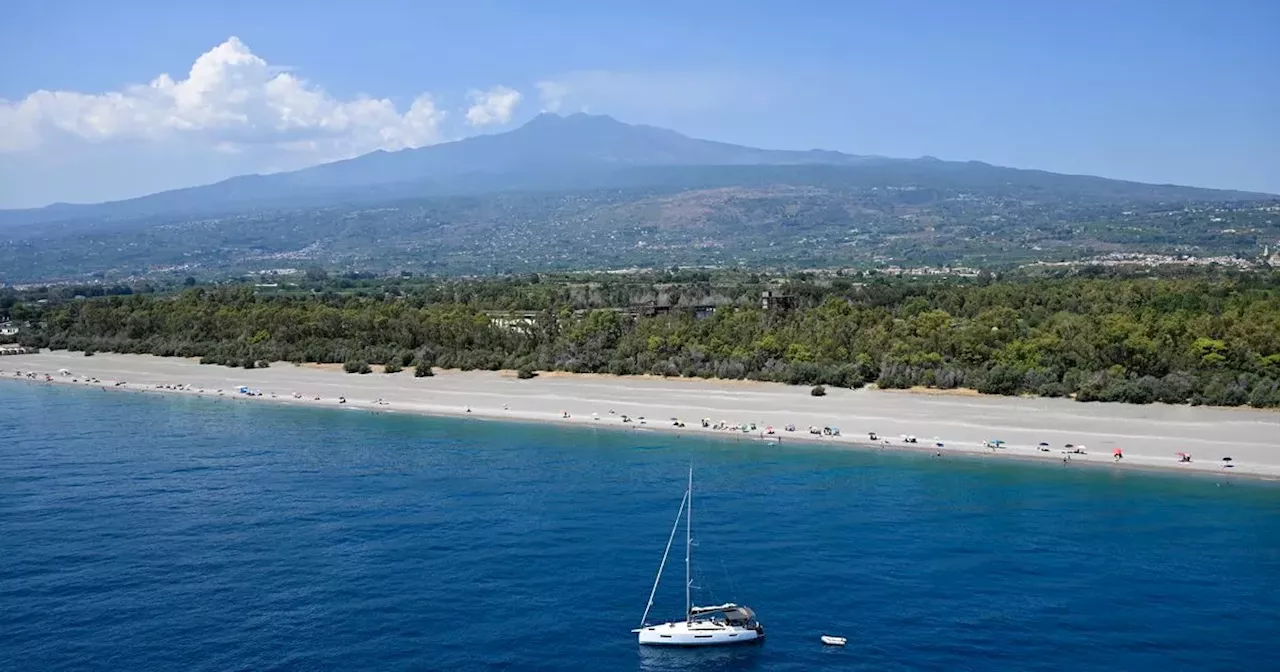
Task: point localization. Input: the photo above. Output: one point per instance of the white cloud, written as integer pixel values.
(494, 106)
(640, 94)
(231, 99)
(552, 95)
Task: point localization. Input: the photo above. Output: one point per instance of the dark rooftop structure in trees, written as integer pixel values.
(771, 301)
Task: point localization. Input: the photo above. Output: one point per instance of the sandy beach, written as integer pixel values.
(948, 425)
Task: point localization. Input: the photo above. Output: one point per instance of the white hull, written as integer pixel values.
(716, 625)
(699, 633)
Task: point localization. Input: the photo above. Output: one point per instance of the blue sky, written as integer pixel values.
(1175, 91)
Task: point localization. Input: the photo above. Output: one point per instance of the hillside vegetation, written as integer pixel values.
(589, 193)
(1205, 339)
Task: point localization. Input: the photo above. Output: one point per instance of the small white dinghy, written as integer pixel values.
(832, 640)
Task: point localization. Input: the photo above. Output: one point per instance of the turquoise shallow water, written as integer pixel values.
(141, 532)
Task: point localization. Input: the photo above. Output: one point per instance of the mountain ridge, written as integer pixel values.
(552, 152)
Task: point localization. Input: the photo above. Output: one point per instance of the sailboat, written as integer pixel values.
(702, 626)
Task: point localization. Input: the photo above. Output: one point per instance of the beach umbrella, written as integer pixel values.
(1045, 445)
(1226, 459)
(1117, 451)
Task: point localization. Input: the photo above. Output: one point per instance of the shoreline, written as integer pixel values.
(1150, 436)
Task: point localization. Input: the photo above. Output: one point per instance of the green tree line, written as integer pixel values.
(1201, 340)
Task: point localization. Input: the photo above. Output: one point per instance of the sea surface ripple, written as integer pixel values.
(142, 532)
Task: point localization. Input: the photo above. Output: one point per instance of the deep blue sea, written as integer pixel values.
(141, 532)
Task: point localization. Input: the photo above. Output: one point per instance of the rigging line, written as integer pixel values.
(699, 582)
(703, 581)
(644, 619)
(730, 583)
(706, 586)
(733, 590)
(704, 571)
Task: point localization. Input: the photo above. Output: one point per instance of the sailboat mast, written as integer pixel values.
(688, 547)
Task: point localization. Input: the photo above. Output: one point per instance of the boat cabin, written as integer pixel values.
(728, 614)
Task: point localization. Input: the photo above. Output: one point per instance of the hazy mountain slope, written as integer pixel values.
(592, 192)
(576, 152)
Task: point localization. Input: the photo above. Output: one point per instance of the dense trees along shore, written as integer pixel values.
(1205, 339)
